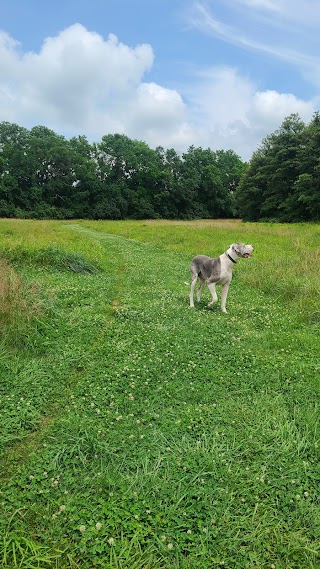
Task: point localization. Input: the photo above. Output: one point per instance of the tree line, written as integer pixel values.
(43, 175)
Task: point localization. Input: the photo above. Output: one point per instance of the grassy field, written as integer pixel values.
(137, 433)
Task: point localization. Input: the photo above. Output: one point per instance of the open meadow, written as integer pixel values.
(137, 433)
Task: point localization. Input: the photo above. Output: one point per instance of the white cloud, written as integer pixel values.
(304, 13)
(80, 83)
(274, 106)
(286, 30)
(269, 5)
(75, 73)
(159, 115)
(229, 111)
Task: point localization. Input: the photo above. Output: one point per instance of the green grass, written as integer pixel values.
(139, 434)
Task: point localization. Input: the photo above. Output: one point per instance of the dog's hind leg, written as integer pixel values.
(192, 287)
(200, 289)
(212, 288)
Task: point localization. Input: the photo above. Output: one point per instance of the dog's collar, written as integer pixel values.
(231, 259)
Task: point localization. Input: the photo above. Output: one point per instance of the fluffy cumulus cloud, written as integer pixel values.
(78, 79)
(81, 83)
(230, 112)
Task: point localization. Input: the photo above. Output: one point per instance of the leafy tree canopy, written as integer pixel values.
(44, 175)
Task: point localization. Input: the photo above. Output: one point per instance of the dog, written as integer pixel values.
(217, 271)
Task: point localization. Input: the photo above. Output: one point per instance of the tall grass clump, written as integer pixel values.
(58, 259)
(52, 257)
(283, 281)
(19, 302)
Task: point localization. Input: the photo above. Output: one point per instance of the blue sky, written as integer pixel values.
(215, 73)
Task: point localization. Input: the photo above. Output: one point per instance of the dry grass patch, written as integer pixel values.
(19, 303)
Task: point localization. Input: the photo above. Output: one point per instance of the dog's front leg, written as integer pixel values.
(224, 294)
(212, 288)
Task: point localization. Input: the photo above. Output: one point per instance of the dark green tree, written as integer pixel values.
(131, 175)
(269, 183)
(305, 204)
(208, 181)
(16, 171)
(54, 175)
(169, 201)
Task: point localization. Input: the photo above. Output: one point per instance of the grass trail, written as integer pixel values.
(138, 433)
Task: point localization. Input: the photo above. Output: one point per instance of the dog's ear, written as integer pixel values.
(236, 248)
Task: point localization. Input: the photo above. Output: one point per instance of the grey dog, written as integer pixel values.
(217, 271)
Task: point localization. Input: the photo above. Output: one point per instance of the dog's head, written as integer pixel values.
(242, 250)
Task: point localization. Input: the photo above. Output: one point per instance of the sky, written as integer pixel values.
(219, 74)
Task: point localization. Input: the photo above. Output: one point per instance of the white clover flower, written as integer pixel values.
(170, 545)
(189, 531)
(98, 525)
(62, 508)
(82, 528)
(111, 541)
(163, 538)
